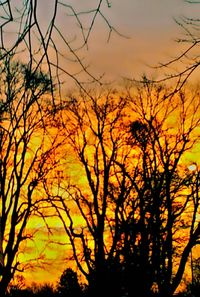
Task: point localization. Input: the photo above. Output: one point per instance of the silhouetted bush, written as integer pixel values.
(35, 290)
(46, 290)
(16, 292)
(68, 285)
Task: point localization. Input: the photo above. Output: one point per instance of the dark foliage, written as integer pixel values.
(69, 285)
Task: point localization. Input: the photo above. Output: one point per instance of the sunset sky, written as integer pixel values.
(150, 31)
(147, 33)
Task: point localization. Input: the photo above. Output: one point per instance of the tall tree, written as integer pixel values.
(26, 158)
(165, 130)
(96, 140)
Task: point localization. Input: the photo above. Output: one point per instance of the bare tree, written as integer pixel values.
(131, 211)
(166, 129)
(186, 63)
(27, 156)
(96, 135)
(48, 40)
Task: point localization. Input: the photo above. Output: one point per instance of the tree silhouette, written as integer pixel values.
(193, 287)
(95, 132)
(25, 159)
(136, 200)
(181, 68)
(47, 42)
(161, 183)
(68, 284)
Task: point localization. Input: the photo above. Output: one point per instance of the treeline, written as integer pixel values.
(121, 161)
(69, 286)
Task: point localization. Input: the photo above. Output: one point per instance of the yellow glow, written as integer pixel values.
(52, 257)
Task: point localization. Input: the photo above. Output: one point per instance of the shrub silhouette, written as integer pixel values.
(69, 285)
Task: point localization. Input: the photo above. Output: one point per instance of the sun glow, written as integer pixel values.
(79, 154)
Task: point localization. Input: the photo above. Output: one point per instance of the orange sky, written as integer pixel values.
(53, 257)
(151, 32)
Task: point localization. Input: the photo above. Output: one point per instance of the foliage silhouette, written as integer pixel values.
(69, 285)
(33, 291)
